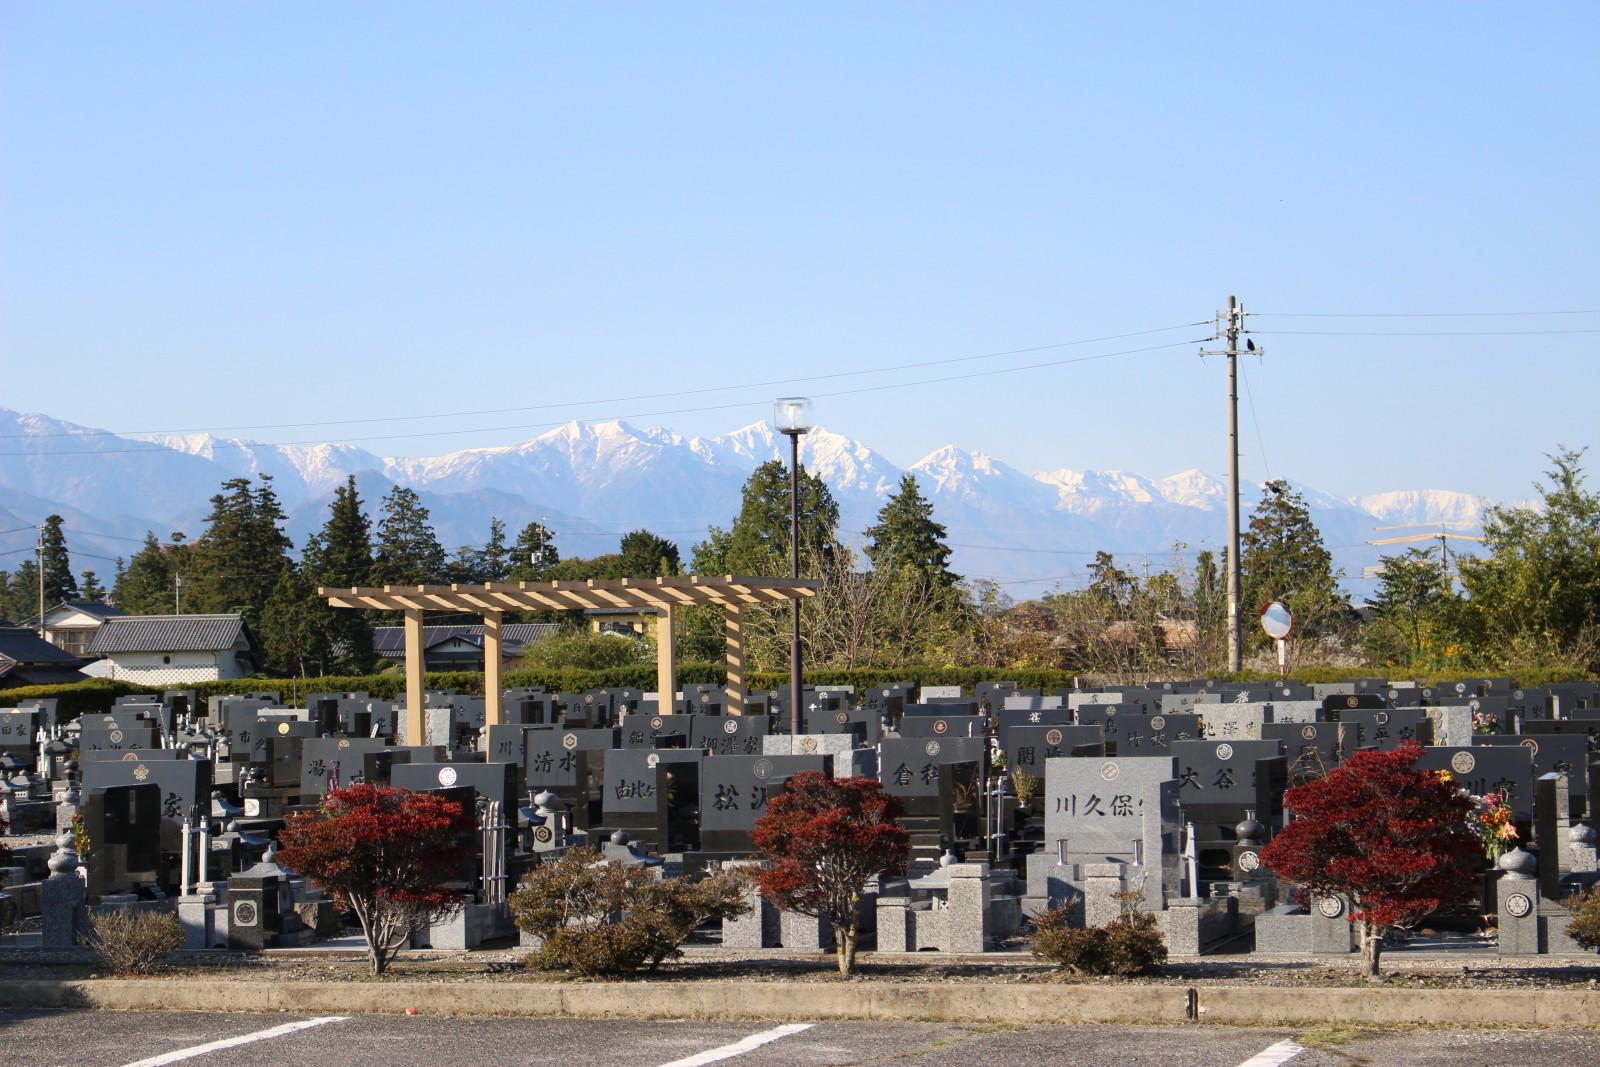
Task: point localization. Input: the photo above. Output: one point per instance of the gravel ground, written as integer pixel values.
(1450, 972)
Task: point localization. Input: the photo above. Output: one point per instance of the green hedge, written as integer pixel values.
(98, 694)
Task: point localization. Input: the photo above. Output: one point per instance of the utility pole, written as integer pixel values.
(40, 553)
(1232, 325)
(177, 591)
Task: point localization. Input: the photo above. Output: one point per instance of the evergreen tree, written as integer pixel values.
(22, 593)
(90, 588)
(1282, 558)
(1110, 587)
(294, 632)
(463, 567)
(494, 561)
(758, 542)
(59, 584)
(236, 563)
(407, 550)
(145, 586)
(1412, 594)
(340, 556)
(905, 536)
(533, 555)
(647, 555)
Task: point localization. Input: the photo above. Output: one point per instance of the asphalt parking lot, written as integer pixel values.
(156, 1039)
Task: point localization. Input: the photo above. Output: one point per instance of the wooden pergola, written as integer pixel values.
(491, 600)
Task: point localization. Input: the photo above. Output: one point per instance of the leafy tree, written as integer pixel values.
(1282, 558)
(407, 551)
(1536, 591)
(647, 555)
(294, 628)
(905, 536)
(59, 584)
(1110, 587)
(145, 586)
(580, 569)
(1412, 598)
(581, 648)
(236, 563)
(534, 554)
(824, 840)
(389, 855)
(90, 588)
(1392, 839)
(758, 541)
(340, 556)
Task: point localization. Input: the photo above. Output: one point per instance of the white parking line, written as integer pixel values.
(231, 1042)
(1282, 1052)
(738, 1048)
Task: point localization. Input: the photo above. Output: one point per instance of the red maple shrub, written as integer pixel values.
(824, 840)
(1393, 840)
(386, 854)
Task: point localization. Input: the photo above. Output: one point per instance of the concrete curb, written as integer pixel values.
(817, 1001)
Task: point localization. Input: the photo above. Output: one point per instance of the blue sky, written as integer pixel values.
(226, 215)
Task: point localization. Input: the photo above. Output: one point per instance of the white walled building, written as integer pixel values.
(174, 649)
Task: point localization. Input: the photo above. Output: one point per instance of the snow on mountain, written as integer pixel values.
(592, 482)
(1431, 507)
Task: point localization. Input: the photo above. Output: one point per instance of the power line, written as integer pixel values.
(160, 449)
(624, 399)
(1411, 314)
(1251, 401)
(1422, 333)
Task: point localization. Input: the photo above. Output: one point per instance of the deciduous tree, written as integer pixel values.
(1392, 839)
(389, 855)
(824, 839)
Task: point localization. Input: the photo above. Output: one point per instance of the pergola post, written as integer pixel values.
(733, 635)
(493, 686)
(666, 661)
(416, 690)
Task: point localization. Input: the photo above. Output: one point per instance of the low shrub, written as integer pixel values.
(597, 918)
(1584, 926)
(134, 941)
(1131, 944)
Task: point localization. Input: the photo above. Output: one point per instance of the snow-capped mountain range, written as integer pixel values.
(592, 482)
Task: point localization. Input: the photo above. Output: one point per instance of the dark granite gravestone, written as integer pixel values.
(1336, 706)
(656, 731)
(1008, 718)
(1588, 729)
(323, 757)
(1149, 735)
(486, 782)
(943, 726)
(1484, 769)
(1385, 728)
(1312, 748)
(910, 767)
(1553, 754)
(254, 913)
(1218, 784)
(113, 734)
(634, 795)
(730, 735)
(734, 791)
(134, 754)
(1028, 747)
(127, 829)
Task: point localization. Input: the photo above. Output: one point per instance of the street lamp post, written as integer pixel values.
(792, 416)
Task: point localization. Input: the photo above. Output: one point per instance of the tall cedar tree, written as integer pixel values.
(824, 840)
(534, 553)
(407, 551)
(22, 593)
(389, 855)
(340, 555)
(236, 563)
(758, 542)
(295, 628)
(1282, 558)
(494, 559)
(59, 584)
(906, 537)
(145, 585)
(1392, 839)
(647, 555)
(90, 588)
(1538, 584)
